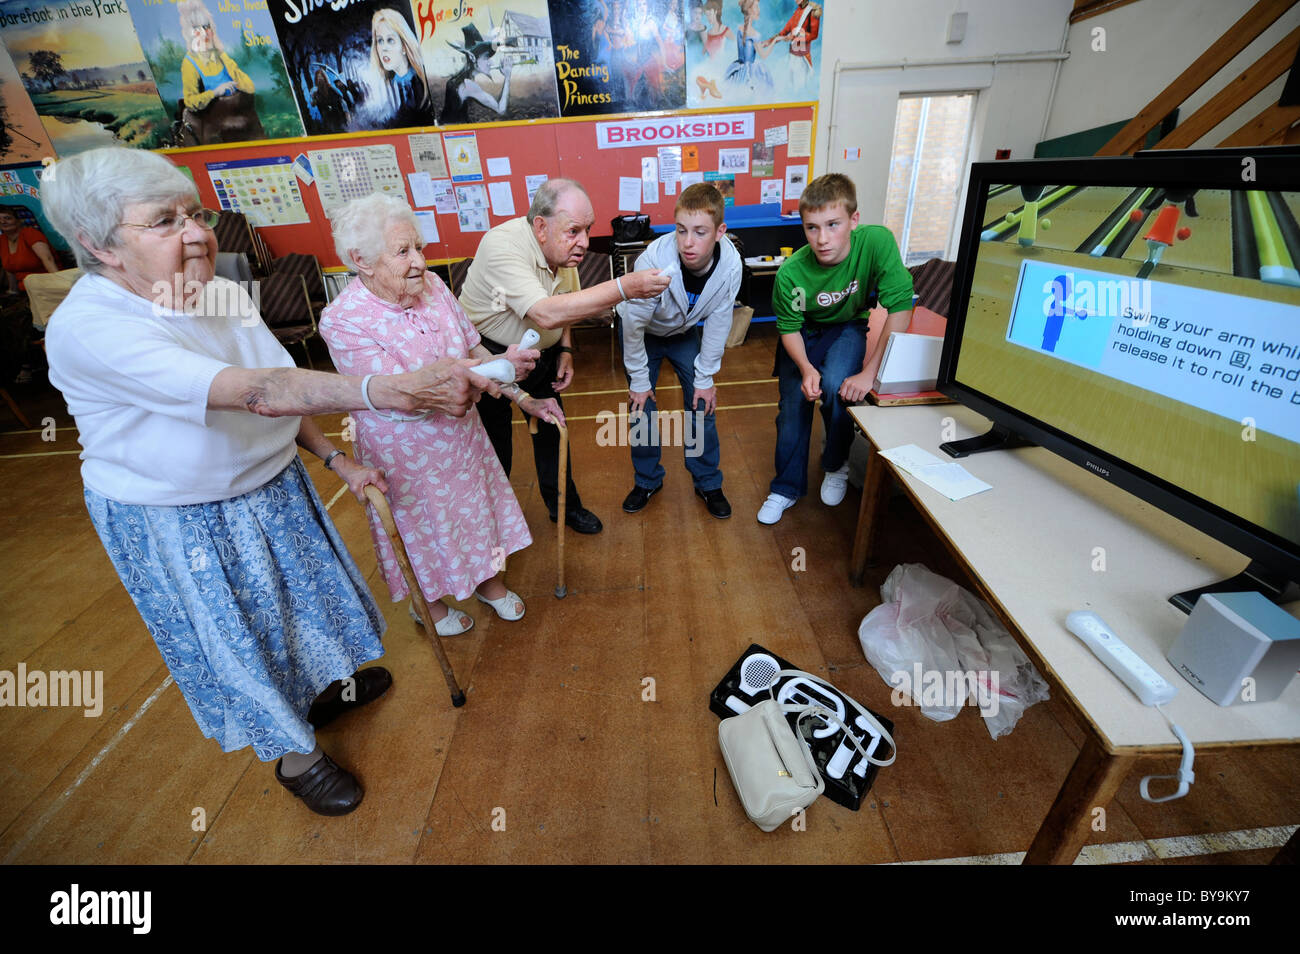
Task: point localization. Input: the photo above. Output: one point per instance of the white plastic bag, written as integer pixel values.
(940, 648)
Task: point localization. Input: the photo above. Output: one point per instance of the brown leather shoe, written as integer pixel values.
(371, 684)
(324, 788)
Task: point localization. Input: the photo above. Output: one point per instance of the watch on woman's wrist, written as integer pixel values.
(329, 458)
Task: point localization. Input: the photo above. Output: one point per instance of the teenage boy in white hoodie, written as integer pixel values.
(687, 324)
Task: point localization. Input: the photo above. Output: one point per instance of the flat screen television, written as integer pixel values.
(1140, 316)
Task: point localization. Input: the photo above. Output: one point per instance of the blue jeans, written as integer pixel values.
(699, 431)
(837, 352)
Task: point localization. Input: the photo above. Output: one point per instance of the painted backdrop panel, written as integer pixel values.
(753, 52)
(179, 50)
(619, 56)
(490, 61)
(22, 137)
(87, 76)
(353, 69)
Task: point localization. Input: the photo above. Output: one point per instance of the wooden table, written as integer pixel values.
(1050, 538)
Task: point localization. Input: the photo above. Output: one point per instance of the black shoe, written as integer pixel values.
(716, 503)
(371, 684)
(324, 788)
(640, 496)
(583, 521)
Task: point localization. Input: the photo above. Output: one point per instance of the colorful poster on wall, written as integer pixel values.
(490, 61)
(85, 73)
(218, 69)
(354, 68)
(747, 53)
(619, 56)
(264, 190)
(21, 187)
(353, 173)
(22, 137)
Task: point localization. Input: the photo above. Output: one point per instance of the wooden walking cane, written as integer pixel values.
(417, 598)
(560, 591)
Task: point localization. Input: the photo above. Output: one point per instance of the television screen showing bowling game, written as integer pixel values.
(1144, 313)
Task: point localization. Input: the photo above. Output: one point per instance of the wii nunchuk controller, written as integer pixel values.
(501, 370)
(1147, 684)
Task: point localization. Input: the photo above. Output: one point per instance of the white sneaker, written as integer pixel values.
(773, 507)
(834, 484)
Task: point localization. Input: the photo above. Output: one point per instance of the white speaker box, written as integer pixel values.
(1234, 637)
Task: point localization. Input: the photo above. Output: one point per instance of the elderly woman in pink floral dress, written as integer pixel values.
(452, 503)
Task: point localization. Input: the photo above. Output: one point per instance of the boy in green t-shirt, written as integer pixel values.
(822, 297)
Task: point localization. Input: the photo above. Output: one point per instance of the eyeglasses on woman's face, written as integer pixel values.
(170, 223)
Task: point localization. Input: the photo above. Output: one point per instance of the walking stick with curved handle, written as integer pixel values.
(560, 590)
(417, 597)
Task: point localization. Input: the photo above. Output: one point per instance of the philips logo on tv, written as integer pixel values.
(1101, 470)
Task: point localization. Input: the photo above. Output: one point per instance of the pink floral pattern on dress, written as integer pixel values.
(452, 502)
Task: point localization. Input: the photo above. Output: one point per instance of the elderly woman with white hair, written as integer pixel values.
(452, 503)
(188, 411)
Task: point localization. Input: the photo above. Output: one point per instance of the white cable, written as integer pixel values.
(1185, 775)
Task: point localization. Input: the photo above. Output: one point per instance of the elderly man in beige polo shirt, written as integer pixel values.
(524, 275)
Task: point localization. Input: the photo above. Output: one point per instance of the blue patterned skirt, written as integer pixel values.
(254, 603)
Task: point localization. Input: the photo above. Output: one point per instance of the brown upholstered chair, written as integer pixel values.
(456, 272)
(286, 309)
(234, 234)
(297, 263)
(932, 284)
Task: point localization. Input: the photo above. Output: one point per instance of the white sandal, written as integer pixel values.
(453, 624)
(502, 603)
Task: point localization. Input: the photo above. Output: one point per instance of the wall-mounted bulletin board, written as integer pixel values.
(464, 180)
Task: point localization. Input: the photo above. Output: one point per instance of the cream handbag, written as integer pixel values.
(771, 766)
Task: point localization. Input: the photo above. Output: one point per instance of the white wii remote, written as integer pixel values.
(501, 370)
(1147, 684)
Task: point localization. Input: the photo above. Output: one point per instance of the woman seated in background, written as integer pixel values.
(23, 249)
(452, 503)
(188, 411)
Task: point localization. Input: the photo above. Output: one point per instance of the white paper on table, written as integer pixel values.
(910, 458)
(498, 165)
(503, 200)
(629, 194)
(421, 190)
(800, 139)
(952, 480)
(428, 225)
(775, 136)
(444, 196)
(770, 191)
(533, 183)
